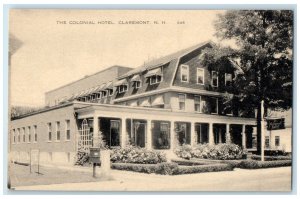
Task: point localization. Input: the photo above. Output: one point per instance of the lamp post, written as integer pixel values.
(262, 132)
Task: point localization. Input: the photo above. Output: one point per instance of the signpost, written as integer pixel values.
(34, 159)
(94, 158)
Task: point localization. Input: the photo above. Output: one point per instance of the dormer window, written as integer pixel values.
(155, 76)
(98, 95)
(104, 93)
(184, 73)
(123, 88)
(137, 83)
(110, 92)
(121, 85)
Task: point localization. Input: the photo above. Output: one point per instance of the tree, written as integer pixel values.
(264, 42)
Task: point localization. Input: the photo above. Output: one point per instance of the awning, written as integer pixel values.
(154, 72)
(81, 94)
(145, 102)
(101, 88)
(136, 78)
(120, 82)
(109, 85)
(134, 103)
(158, 100)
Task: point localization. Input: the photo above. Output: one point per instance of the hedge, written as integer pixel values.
(271, 158)
(204, 168)
(253, 164)
(171, 168)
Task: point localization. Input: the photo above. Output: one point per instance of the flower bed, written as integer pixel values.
(136, 155)
(253, 164)
(215, 152)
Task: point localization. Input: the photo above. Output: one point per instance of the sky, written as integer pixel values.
(54, 51)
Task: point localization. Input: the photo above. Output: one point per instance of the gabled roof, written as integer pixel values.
(163, 60)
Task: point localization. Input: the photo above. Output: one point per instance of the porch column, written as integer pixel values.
(193, 136)
(149, 135)
(96, 131)
(172, 136)
(244, 136)
(123, 132)
(210, 134)
(228, 138)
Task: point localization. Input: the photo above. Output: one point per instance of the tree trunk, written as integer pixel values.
(258, 121)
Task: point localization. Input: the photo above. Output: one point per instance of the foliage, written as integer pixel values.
(271, 158)
(17, 111)
(252, 164)
(167, 168)
(206, 151)
(132, 154)
(171, 168)
(82, 156)
(263, 59)
(204, 168)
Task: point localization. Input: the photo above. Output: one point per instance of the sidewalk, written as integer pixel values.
(274, 179)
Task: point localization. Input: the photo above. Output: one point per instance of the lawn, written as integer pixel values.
(20, 175)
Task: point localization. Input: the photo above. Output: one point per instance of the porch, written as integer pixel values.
(161, 129)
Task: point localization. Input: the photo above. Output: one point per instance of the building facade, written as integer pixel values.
(167, 102)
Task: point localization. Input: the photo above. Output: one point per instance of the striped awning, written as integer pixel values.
(136, 78)
(153, 72)
(120, 82)
(158, 100)
(145, 102)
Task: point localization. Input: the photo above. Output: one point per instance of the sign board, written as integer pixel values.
(275, 124)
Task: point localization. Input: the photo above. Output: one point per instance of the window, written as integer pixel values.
(214, 78)
(277, 141)
(98, 95)
(155, 79)
(49, 132)
(14, 136)
(214, 106)
(23, 134)
(197, 101)
(104, 94)
(181, 101)
(228, 79)
(184, 73)
(137, 84)
(200, 76)
(57, 131)
(35, 133)
(19, 139)
(267, 142)
(29, 134)
(160, 134)
(110, 92)
(68, 133)
(123, 88)
(183, 132)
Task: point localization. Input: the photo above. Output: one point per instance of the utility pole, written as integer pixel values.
(262, 132)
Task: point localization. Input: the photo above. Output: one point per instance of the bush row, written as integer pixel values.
(215, 152)
(253, 164)
(137, 155)
(167, 168)
(271, 158)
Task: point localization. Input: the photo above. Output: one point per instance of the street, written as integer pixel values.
(273, 179)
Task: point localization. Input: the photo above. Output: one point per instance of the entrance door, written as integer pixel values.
(114, 133)
(140, 133)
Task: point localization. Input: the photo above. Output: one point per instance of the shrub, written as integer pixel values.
(215, 152)
(252, 164)
(271, 158)
(204, 168)
(275, 152)
(167, 168)
(142, 168)
(131, 154)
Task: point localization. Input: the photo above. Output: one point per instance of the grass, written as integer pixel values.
(19, 175)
